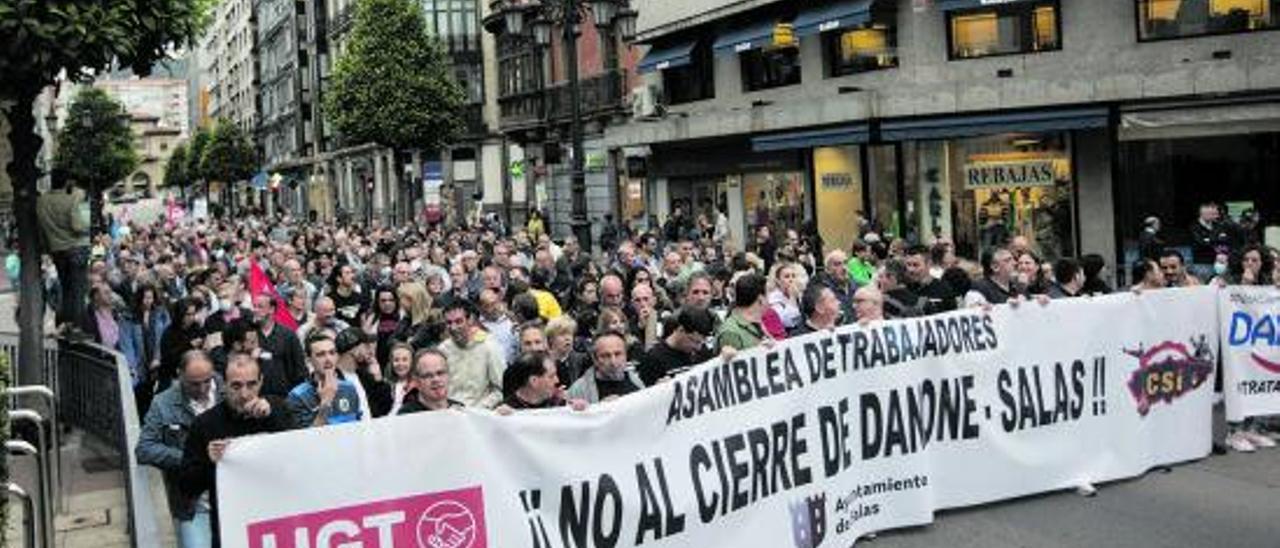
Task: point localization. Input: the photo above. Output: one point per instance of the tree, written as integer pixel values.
(95, 146)
(42, 41)
(229, 156)
(175, 170)
(195, 153)
(394, 85)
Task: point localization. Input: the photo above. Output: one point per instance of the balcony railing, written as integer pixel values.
(473, 121)
(600, 94)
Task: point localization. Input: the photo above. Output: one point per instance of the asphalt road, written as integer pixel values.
(1221, 502)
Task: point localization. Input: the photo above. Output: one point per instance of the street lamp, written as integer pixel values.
(568, 14)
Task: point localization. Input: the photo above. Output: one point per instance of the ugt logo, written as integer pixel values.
(1168, 370)
(809, 521)
(1259, 333)
(445, 519)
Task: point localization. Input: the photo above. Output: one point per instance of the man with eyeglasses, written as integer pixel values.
(327, 397)
(683, 348)
(242, 412)
(430, 384)
(164, 432)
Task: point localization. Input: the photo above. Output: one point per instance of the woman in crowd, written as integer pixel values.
(615, 320)
(422, 325)
(1254, 266)
(784, 298)
(398, 373)
(1148, 275)
(152, 317)
(570, 363)
(1030, 274)
(389, 319)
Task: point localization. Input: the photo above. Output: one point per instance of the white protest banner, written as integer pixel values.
(811, 443)
(1250, 351)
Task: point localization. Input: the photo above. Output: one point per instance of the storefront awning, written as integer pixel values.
(670, 56)
(753, 36)
(844, 135)
(841, 14)
(949, 5)
(991, 124)
(1191, 120)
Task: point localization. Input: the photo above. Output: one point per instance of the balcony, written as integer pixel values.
(522, 110)
(601, 95)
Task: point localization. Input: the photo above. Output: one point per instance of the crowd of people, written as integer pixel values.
(236, 327)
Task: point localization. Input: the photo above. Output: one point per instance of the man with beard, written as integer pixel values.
(610, 377)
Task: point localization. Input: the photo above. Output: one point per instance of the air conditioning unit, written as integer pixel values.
(646, 103)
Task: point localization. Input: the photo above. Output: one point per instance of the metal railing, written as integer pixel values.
(28, 513)
(89, 387)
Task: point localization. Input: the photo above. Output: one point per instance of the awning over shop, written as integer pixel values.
(753, 36)
(665, 57)
(844, 135)
(841, 14)
(1185, 121)
(949, 5)
(991, 124)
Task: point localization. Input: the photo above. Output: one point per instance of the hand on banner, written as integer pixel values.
(218, 448)
(1043, 300)
(727, 353)
(1016, 301)
(578, 404)
(504, 410)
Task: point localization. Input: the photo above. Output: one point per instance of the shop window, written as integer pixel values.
(774, 199)
(865, 49)
(692, 82)
(1024, 27)
(764, 69)
(1164, 19)
(982, 192)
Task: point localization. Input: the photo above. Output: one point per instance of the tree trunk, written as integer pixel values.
(26, 148)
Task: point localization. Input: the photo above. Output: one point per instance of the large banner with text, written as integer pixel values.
(1250, 351)
(813, 442)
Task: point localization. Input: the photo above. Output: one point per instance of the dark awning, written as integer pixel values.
(843, 135)
(752, 36)
(991, 124)
(671, 56)
(949, 5)
(834, 16)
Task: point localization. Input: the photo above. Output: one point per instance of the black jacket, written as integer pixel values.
(287, 367)
(199, 474)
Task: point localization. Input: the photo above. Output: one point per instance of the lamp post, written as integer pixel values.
(568, 14)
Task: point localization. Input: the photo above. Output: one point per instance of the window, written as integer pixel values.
(1024, 27)
(764, 69)
(861, 49)
(692, 82)
(1162, 19)
(455, 23)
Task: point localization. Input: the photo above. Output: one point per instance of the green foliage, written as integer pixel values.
(39, 39)
(394, 85)
(229, 156)
(95, 144)
(175, 169)
(195, 154)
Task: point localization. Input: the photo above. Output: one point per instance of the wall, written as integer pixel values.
(1095, 203)
(1101, 62)
(837, 183)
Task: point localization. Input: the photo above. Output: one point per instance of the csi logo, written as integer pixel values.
(449, 519)
(1168, 370)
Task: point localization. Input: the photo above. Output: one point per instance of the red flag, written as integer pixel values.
(259, 284)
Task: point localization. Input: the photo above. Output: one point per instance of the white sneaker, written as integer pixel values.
(1237, 442)
(1258, 440)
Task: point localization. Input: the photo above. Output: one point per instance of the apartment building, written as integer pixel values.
(1067, 122)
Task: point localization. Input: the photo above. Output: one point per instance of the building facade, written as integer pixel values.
(229, 60)
(1066, 122)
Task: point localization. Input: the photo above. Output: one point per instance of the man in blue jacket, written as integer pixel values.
(325, 398)
(164, 433)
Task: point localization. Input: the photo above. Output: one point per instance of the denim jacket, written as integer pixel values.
(164, 434)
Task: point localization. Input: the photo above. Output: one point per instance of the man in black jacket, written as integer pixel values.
(684, 347)
(937, 295)
(243, 412)
(279, 344)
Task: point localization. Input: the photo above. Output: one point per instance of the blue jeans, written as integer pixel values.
(194, 533)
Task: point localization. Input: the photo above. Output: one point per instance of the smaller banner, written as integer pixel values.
(1250, 317)
(979, 175)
